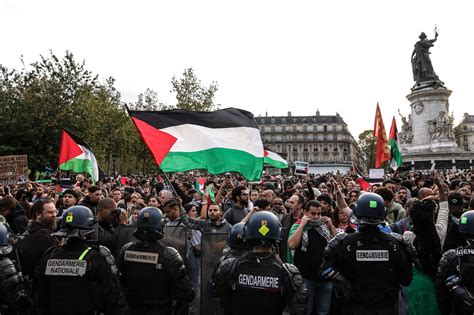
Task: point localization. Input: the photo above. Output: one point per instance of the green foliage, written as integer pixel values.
(39, 100)
(367, 148)
(191, 94)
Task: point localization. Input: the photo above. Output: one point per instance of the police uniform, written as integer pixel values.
(154, 276)
(368, 266)
(259, 282)
(455, 279)
(77, 277)
(12, 295)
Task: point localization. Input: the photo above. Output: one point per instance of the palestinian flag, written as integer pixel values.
(396, 159)
(226, 140)
(365, 185)
(75, 155)
(200, 181)
(274, 160)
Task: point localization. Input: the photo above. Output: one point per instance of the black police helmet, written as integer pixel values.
(150, 224)
(466, 223)
(5, 246)
(236, 237)
(263, 225)
(76, 221)
(370, 209)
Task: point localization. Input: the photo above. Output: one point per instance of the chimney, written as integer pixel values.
(317, 112)
(289, 114)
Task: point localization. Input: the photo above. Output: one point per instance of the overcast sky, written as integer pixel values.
(267, 56)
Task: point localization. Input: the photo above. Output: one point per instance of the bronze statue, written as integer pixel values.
(423, 72)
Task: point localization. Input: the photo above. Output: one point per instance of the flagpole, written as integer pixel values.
(169, 182)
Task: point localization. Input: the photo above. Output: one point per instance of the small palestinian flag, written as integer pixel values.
(226, 140)
(200, 181)
(274, 160)
(75, 155)
(365, 185)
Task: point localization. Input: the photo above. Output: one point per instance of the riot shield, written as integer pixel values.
(30, 249)
(125, 235)
(177, 237)
(212, 245)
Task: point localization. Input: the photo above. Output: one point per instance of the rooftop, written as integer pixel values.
(314, 119)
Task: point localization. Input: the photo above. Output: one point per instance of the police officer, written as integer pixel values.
(369, 265)
(77, 277)
(236, 244)
(154, 275)
(455, 279)
(12, 295)
(259, 282)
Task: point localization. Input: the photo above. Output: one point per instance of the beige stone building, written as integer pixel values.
(318, 139)
(465, 133)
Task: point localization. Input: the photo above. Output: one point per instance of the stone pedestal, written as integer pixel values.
(428, 133)
(430, 125)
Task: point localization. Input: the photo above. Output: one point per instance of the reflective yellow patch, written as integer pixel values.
(263, 230)
(69, 217)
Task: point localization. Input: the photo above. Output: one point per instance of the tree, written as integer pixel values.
(191, 94)
(367, 148)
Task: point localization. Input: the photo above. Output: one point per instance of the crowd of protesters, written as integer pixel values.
(423, 207)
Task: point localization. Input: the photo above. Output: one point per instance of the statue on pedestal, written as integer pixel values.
(423, 72)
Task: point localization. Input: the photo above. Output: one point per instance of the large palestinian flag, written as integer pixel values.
(226, 140)
(75, 155)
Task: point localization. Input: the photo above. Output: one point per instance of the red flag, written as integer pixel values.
(382, 151)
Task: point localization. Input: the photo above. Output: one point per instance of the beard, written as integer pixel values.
(50, 224)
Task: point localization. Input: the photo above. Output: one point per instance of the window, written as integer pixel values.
(325, 128)
(272, 120)
(305, 147)
(305, 138)
(283, 120)
(464, 138)
(466, 148)
(325, 138)
(333, 127)
(464, 128)
(262, 121)
(325, 148)
(305, 128)
(294, 129)
(262, 128)
(283, 138)
(283, 128)
(273, 129)
(273, 138)
(278, 148)
(294, 137)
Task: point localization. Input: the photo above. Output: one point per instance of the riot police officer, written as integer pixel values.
(455, 279)
(78, 277)
(259, 282)
(236, 244)
(12, 295)
(370, 265)
(154, 275)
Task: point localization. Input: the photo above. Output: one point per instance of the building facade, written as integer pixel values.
(465, 133)
(318, 139)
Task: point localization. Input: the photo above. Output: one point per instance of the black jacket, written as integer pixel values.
(89, 204)
(17, 220)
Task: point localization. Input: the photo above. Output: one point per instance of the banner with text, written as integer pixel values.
(13, 169)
